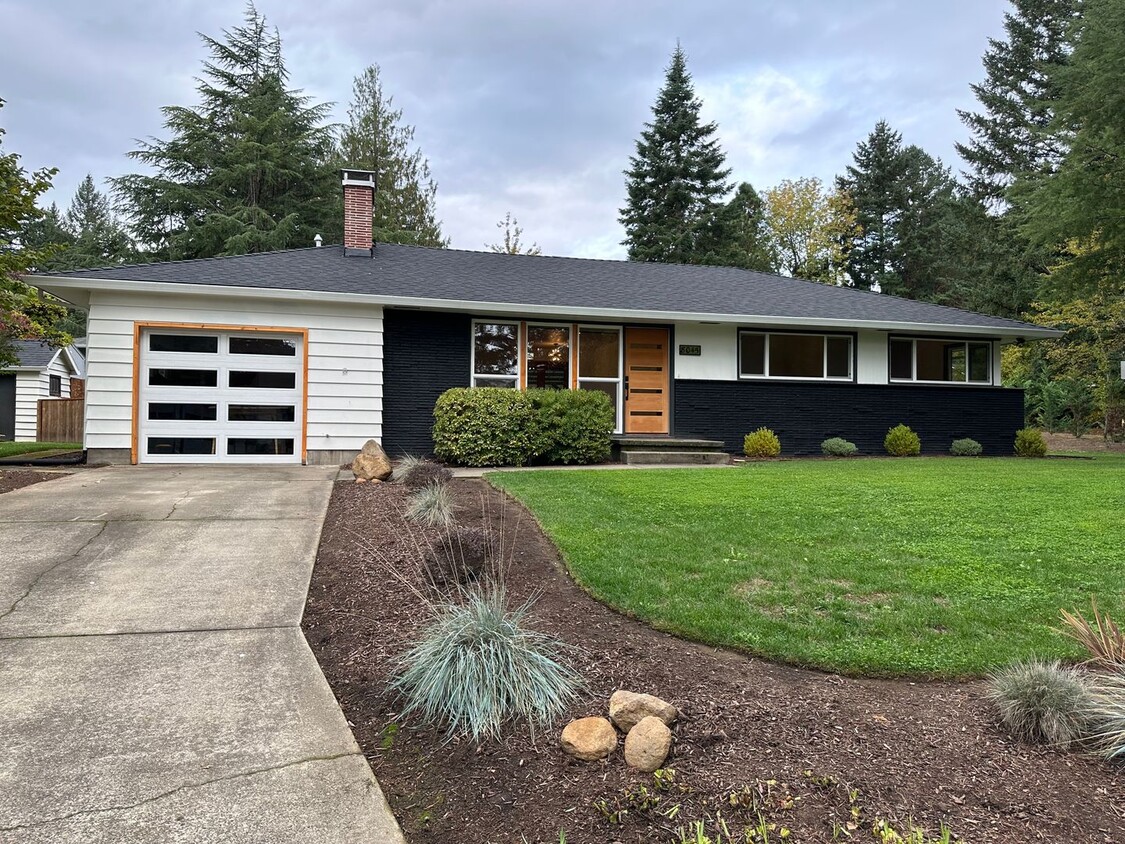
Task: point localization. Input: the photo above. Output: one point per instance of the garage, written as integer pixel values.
(220, 396)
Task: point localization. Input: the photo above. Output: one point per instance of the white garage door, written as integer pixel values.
(220, 397)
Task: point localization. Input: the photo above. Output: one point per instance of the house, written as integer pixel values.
(304, 354)
(41, 372)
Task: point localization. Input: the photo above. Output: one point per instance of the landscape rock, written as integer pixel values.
(628, 708)
(647, 745)
(372, 463)
(589, 739)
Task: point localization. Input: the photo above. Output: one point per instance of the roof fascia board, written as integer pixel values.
(517, 309)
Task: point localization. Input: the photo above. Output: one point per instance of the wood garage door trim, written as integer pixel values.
(140, 326)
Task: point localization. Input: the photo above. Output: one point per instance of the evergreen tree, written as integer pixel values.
(249, 169)
(98, 238)
(376, 139)
(513, 243)
(1017, 98)
(742, 238)
(1077, 209)
(676, 180)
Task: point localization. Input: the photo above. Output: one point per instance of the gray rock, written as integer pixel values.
(589, 739)
(647, 745)
(628, 708)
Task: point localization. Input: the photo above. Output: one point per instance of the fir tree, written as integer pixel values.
(376, 139)
(676, 180)
(741, 238)
(249, 169)
(1017, 98)
(88, 235)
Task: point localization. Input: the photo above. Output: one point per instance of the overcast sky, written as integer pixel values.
(532, 106)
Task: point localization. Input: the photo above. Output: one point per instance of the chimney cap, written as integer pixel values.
(363, 178)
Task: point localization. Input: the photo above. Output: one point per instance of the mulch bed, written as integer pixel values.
(1089, 442)
(17, 478)
(787, 742)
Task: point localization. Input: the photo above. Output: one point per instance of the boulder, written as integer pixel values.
(372, 463)
(628, 708)
(647, 745)
(589, 739)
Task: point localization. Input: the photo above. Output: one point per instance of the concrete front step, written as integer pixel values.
(680, 444)
(667, 457)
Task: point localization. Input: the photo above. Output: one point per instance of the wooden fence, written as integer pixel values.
(60, 420)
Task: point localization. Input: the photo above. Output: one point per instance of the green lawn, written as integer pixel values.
(11, 449)
(930, 567)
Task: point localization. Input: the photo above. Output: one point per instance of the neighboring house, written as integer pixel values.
(304, 354)
(42, 372)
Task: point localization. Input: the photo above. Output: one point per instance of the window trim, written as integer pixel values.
(54, 385)
(571, 350)
(853, 362)
(579, 379)
(965, 342)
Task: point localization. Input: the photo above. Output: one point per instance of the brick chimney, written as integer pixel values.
(359, 200)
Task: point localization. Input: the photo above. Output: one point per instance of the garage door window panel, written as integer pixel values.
(261, 413)
(183, 377)
(262, 446)
(181, 445)
(183, 343)
(241, 379)
(182, 411)
(275, 346)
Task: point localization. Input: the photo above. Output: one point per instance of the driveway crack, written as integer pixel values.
(39, 577)
(186, 787)
(176, 504)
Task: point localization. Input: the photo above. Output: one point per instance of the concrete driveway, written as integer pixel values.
(154, 682)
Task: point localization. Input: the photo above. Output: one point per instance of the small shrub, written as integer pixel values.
(571, 426)
(1042, 702)
(479, 666)
(458, 557)
(425, 472)
(401, 467)
(483, 426)
(1102, 638)
(838, 447)
(432, 506)
(1107, 715)
(901, 441)
(1030, 443)
(966, 448)
(761, 443)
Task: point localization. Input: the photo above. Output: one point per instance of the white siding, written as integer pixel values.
(718, 358)
(32, 386)
(345, 379)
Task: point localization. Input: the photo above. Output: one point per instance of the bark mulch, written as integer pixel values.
(17, 478)
(808, 751)
(1089, 442)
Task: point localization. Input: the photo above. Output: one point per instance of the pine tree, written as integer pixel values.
(676, 180)
(249, 169)
(376, 139)
(1017, 98)
(513, 243)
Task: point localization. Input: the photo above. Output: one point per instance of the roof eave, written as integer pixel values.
(525, 309)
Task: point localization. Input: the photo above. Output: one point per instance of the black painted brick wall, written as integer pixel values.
(424, 354)
(803, 414)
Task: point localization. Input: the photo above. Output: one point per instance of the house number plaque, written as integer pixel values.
(691, 351)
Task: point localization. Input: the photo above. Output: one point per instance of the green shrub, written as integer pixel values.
(571, 426)
(1042, 702)
(425, 472)
(901, 441)
(431, 505)
(1107, 715)
(479, 666)
(761, 443)
(966, 448)
(838, 447)
(459, 556)
(483, 426)
(1030, 443)
(489, 426)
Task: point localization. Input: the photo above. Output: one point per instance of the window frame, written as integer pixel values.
(54, 385)
(515, 376)
(571, 351)
(579, 379)
(853, 344)
(965, 342)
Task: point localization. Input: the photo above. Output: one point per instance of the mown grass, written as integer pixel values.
(11, 449)
(938, 567)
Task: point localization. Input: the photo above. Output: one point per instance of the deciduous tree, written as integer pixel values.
(512, 243)
(809, 230)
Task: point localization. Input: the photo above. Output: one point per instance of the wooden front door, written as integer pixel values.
(646, 381)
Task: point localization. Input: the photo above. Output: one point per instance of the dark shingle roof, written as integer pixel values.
(33, 353)
(549, 282)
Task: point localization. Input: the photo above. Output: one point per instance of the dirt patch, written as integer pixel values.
(18, 478)
(755, 737)
(1090, 442)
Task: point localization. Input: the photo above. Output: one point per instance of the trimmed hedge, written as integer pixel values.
(492, 426)
(901, 441)
(761, 443)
